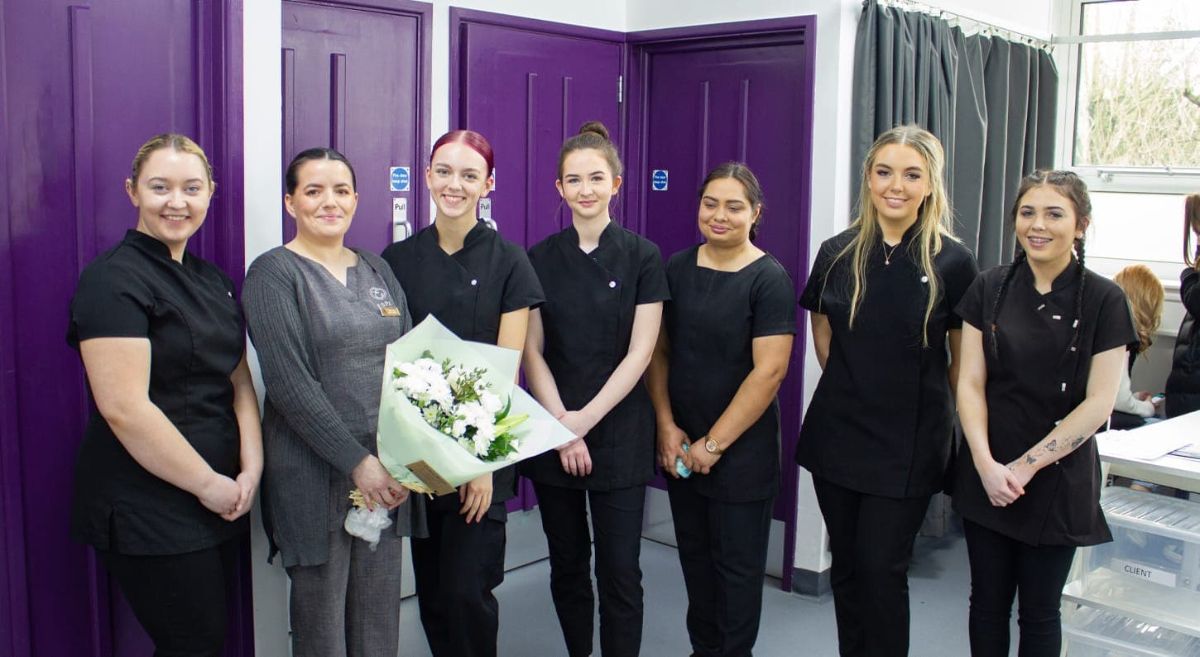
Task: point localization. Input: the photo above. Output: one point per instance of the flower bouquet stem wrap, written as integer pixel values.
(433, 379)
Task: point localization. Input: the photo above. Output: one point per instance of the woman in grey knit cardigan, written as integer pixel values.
(320, 316)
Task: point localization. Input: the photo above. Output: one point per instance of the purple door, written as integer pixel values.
(703, 96)
(527, 86)
(84, 84)
(355, 78)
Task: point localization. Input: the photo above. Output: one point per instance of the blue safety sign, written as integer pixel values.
(400, 179)
(658, 180)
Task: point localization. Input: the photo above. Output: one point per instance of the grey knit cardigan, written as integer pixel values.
(303, 436)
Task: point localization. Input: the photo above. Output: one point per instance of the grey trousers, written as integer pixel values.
(348, 606)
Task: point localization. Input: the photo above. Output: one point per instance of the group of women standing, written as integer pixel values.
(677, 364)
(174, 455)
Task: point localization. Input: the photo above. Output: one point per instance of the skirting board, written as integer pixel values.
(811, 584)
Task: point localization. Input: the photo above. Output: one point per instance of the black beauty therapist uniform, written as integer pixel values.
(194, 325)
(1036, 382)
(158, 540)
(587, 320)
(722, 519)
(467, 291)
(877, 435)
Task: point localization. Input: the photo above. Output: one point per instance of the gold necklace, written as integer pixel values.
(887, 255)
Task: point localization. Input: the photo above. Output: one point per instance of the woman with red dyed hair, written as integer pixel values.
(481, 287)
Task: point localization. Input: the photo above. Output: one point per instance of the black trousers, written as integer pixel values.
(723, 552)
(1003, 568)
(617, 526)
(179, 598)
(455, 570)
(871, 539)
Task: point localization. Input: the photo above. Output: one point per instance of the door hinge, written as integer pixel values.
(620, 89)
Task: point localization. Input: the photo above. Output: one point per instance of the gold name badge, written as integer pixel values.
(389, 311)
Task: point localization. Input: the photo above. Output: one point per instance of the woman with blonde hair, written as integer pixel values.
(877, 435)
(172, 455)
(1183, 385)
(1145, 294)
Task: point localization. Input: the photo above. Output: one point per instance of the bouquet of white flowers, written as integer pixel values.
(451, 411)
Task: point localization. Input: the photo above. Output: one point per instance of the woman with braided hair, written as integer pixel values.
(1043, 345)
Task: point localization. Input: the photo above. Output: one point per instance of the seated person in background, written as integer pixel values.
(1145, 294)
(1183, 385)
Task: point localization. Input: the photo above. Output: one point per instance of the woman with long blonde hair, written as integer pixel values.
(877, 435)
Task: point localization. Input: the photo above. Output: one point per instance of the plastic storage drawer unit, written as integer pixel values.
(1151, 570)
(1089, 632)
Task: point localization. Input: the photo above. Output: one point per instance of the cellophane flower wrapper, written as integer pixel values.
(367, 524)
(404, 437)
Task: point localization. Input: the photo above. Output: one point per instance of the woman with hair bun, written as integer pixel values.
(1044, 341)
(587, 348)
(1183, 384)
(481, 287)
(878, 434)
(721, 356)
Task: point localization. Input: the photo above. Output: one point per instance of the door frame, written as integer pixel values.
(422, 12)
(774, 31)
(14, 625)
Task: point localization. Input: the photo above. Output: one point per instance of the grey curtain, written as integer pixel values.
(991, 101)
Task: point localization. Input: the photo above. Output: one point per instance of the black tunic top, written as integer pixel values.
(188, 312)
(467, 292)
(711, 320)
(881, 419)
(1036, 382)
(587, 318)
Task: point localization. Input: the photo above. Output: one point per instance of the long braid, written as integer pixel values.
(1078, 295)
(1002, 292)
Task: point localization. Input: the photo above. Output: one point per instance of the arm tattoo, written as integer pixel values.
(1078, 441)
(1030, 459)
(1052, 445)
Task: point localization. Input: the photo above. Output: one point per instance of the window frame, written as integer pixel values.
(1067, 53)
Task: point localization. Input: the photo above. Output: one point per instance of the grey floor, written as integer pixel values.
(792, 625)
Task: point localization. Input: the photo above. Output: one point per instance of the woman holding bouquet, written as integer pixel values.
(481, 287)
(877, 436)
(720, 358)
(172, 454)
(321, 316)
(587, 349)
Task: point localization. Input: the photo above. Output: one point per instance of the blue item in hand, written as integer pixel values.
(682, 469)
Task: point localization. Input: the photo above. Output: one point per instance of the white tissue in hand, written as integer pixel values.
(367, 525)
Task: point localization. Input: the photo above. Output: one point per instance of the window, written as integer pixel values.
(1138, 101)
(1130, 110)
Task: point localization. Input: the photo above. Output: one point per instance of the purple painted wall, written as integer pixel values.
(84, 84)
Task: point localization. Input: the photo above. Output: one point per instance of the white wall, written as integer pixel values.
(263, 142)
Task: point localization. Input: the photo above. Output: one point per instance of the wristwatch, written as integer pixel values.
(712, 446)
